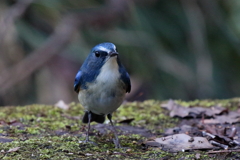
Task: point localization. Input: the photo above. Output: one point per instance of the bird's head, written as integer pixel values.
(104, 51)
(100, 55)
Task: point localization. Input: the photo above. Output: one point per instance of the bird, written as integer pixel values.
(102, 83)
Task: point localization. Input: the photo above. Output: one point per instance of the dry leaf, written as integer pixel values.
(183, 129)
(178, 110)
(180, 142)
(231, 117)
(13, 149)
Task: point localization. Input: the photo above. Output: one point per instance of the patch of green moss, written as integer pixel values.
(227, 103)
(68, 147)
(149, 114)
(42, 117)
(48, 132)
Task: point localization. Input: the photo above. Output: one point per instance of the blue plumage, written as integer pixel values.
(124, 77)
(77, 81)
(101, 84)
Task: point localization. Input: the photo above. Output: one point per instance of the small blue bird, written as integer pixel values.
(101, 84)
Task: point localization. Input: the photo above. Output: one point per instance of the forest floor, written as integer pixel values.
(174, 129)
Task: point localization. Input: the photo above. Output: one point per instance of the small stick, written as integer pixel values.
(208, 134)
(219, 144)
(223, 151)
(236, 142)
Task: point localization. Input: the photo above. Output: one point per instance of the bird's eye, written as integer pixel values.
(97, 54)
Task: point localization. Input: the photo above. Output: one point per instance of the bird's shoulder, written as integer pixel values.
(83, 77)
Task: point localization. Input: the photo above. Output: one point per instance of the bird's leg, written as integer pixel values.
(89, 121)
(116, 141)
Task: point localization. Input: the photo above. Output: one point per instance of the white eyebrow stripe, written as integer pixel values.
(103, 49)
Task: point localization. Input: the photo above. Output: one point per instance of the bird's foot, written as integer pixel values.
(91, 142)
(117, 144)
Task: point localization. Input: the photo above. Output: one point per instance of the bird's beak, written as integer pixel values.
(112, 54)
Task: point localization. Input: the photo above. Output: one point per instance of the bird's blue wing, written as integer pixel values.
(77, 82)
(126, 80)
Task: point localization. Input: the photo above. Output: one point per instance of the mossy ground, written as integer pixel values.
(48, 132)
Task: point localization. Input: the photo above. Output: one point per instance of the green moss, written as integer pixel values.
(148, 113)
(47, 132)
(228, 103)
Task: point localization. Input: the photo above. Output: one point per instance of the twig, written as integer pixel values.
(235, 142)
(219, 144)
(208, 134)
(223, 151)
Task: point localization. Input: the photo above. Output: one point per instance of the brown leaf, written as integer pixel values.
(12, 123)
(189, 130)
(180, 142)
(13, 149)
(231, 117)
(180, 111)
(210, 129)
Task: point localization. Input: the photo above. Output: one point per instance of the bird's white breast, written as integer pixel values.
(109, 72)
(106, 94)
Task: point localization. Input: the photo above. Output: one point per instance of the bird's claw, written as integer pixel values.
(91, 142)
(117, 144)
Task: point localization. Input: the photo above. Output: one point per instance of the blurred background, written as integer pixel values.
(180, 49)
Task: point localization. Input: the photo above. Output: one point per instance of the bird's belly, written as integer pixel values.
(102, 98)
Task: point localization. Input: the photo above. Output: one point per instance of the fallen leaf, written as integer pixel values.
(186, 129)
(231, 117)
(181, 111)
(180, 142)
(61, 104)
(13, 149)
(12, 123)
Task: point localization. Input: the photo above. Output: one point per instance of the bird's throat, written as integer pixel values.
(109, 71)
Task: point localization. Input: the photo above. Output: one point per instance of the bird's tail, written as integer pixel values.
(94, 117)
